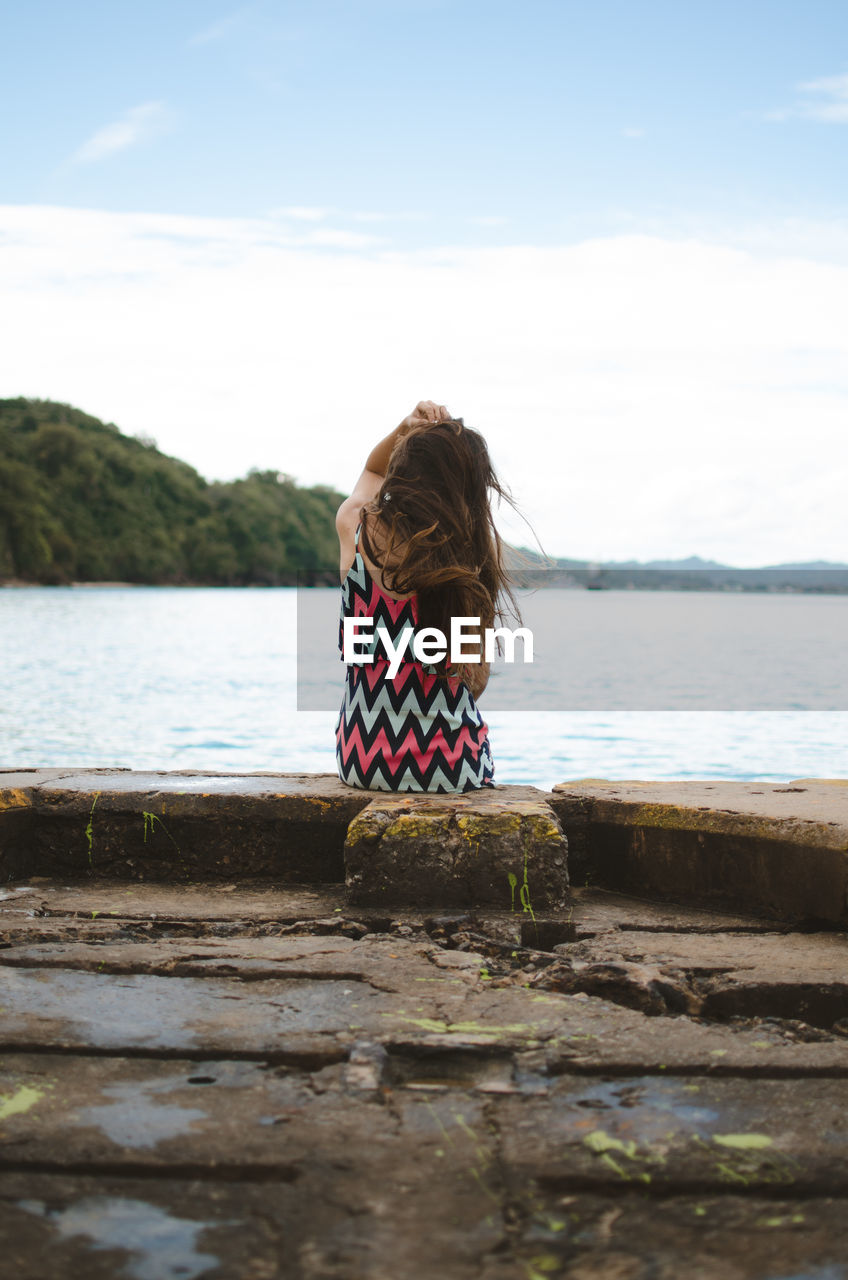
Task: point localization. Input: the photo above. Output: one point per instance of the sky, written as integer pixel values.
(612, 236)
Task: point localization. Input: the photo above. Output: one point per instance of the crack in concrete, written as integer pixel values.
(505, 1246)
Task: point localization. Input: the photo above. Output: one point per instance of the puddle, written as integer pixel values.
(159, 1245)
(832, 1271)
(146, 1010)
(646, 1106)
(135, 1120)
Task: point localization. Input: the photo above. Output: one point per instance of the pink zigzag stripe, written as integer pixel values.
(375, 674)
(397, 756)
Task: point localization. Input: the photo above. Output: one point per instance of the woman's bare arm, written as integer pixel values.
(368, 485)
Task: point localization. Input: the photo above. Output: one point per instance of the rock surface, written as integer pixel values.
(206, 1075)
(261, 1081)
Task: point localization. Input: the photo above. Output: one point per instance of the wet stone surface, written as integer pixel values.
(246, 1080)
(104, 1227)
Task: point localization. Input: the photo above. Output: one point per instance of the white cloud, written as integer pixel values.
(319, 213)
(365, 215)
(632, 132)
(339, 238)
(825, 99)
(135, 126)
(302, 212)
(488, 220)
(218, 30)
(642, 395)
(376, 216)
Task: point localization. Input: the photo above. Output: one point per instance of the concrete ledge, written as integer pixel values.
(777, 849)
(503, 848)
(174, 826)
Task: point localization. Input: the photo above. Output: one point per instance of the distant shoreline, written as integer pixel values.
(565, 583)
(17, 585)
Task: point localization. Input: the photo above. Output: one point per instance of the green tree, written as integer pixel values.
(80, 501)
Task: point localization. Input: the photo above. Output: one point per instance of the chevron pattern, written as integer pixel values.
(415, 732)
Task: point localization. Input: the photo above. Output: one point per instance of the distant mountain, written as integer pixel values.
(690, 562)
(697, 563)
(692, 573)
(521, 554)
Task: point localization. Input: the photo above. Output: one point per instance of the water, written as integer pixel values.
(637, 651)
(205, 678)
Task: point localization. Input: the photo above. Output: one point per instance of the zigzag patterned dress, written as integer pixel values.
(415, 732)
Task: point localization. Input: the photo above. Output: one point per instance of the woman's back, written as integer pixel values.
(418, 552)
(411, 731)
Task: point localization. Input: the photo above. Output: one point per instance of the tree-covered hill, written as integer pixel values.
(81, 502)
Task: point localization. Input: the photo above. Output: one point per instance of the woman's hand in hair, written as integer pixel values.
(425, 413)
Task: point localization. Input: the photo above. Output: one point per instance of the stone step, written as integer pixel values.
(501, 848)
(776, 850)
(179, 826)
(292, 828)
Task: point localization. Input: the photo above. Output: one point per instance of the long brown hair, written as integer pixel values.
(438, 538)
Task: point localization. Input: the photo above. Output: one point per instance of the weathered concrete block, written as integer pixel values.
(504, 849)
(123, 824)
(777, 849)
(15, 818)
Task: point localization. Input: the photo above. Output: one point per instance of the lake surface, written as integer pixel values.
(205, 678)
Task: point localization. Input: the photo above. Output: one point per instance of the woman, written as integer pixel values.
(418, 547)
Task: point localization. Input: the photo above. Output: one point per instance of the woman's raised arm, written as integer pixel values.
(368, 485)
(425, 411)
